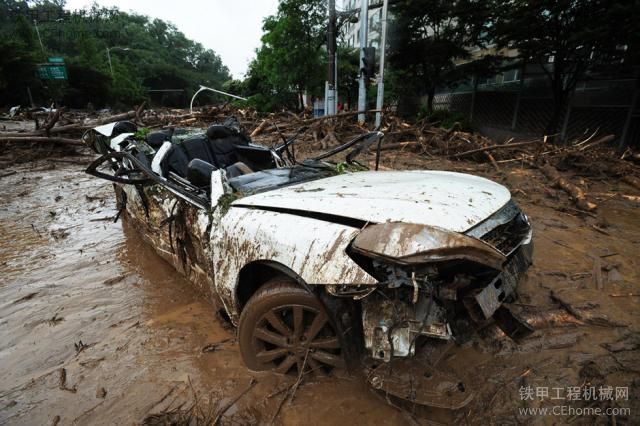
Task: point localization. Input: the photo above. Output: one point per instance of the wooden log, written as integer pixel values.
(138, 112)
(315, 120)
(259, 129)
(63, 141)
(495, 147)
(341, 115)
(74, 126)
(492, 160)
(599, 141)
(398, 145)
(574, 191)
(631, 180)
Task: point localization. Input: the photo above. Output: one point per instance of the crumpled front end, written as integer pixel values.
(441, 284)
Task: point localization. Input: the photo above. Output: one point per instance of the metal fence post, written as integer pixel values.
(473, 98)
(565, 124)
(514, 122)
(627, 122)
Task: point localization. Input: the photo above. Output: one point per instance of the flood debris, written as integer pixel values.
(101, 392)
(62, 381)
(26, 297)
(115, 280)
(585, 310)
(222, 202)
(212, 347)
(628, 342)
(55, 319)
(194, 410)
(407, 305)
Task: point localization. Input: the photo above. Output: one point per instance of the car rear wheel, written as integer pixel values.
(286, 329)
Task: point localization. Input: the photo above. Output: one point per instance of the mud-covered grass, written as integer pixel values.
(137, 343)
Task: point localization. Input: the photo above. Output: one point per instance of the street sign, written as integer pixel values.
(56, 60)
(52, 71)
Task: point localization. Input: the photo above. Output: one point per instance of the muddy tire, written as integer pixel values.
(285, 329)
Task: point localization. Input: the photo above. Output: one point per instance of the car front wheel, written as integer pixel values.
(286, 329)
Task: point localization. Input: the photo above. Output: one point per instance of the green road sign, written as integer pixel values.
(56, 60)
(52, 71)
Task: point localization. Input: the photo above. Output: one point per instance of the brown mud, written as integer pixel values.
(95, 328)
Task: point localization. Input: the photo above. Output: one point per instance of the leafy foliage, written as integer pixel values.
(348, 71)
(145, 54)
(290, 61)
(568, 38)
(427, 39)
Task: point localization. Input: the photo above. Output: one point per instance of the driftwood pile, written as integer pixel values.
(68, 131)
(592, 156)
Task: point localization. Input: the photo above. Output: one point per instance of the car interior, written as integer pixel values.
(184, 161)
(221, 147)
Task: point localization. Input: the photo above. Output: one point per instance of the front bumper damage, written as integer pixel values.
(438, 284)
(392, 322)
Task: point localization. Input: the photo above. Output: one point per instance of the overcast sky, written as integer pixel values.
(231, 28)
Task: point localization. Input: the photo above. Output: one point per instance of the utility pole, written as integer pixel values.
(331, 72)
(362, 89)
(35, 24)
(109, 59)
(383, 45)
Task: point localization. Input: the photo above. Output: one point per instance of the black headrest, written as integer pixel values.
(199, 172)
(218, 131)
(156, 139)
(123, 127)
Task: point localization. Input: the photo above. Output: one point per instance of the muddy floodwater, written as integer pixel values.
(95, 328)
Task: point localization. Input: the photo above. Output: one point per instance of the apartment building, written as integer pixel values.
(351, 31)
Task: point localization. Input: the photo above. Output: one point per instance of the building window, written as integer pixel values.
(511, 76)
(488, 81)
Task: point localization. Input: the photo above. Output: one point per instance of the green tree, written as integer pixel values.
(348, 71)
(568, 39)
(290, 58)
(158, 56)
(427, 39)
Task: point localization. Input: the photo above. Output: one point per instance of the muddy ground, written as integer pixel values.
(95, 328)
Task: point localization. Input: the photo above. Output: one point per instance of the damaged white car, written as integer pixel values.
(320, 267)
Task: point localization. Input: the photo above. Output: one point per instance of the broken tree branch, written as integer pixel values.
(574, 191)
(64, 141)
(631, 180)
(74, 126)
(259, 129)
(495, 147)
(54, 119)
(603, 139)
(230, 404)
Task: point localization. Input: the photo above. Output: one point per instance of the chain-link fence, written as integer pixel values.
(608, 106)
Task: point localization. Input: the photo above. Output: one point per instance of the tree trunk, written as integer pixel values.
(560, 97)
(559, 106)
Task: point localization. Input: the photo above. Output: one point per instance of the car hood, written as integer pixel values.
(452, 201)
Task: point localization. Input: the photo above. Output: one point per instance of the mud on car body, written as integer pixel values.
(317, 267)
